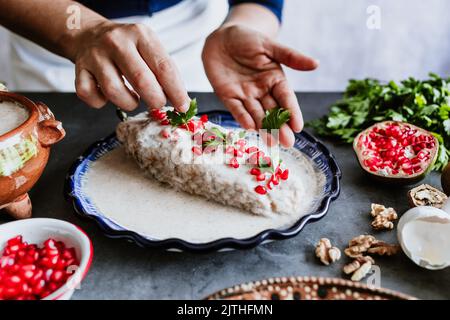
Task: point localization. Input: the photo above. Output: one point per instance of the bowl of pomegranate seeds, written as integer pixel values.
(42, 259)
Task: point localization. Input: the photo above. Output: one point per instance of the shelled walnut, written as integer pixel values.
(359, 245)
(383, 217)
(359, 267)
(426, 195)
(383, 249)
(357, 249)
(326, 252)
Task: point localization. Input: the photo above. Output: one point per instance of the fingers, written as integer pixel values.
(239, 113)
(140, 77)
(287, 137)
(286, 99)
(165, 71)
(256, 111)
(87, 89)
(113, 86)
(290, 57)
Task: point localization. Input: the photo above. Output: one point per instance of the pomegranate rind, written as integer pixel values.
(400, 177)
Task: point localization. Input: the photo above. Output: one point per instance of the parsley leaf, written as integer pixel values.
(275, 118)
(179, 118)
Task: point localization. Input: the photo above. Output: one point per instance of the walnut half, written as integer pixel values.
(326, 252)
(383, 217)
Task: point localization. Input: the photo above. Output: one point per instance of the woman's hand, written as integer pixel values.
(244, 68)
(106, 53)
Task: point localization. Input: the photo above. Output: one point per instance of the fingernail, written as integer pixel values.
(183, 107)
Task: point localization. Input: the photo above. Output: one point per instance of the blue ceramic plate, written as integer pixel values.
(310, 146)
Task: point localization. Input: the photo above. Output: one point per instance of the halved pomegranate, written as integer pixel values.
(396, 151)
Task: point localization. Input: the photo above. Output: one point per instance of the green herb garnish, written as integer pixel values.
(179, 118)
(275, 118)
(425, 104)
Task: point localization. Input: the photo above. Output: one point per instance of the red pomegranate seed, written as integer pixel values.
(255, 171)
(253, 159)
(191, 126)
(197, 150)
(261, 177)
(165, 122)
(234, 163)
(238, 153)
(274, 180)
(260, 190)
(285, 174)
(204, 118)
(165, 133)
(14, 241)
(251, 150)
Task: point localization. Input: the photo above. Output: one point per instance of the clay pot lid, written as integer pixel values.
(27, 103)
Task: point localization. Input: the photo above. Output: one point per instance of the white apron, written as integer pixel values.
(182, 30)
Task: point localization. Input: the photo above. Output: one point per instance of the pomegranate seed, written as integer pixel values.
(261, 177)
(234, 163)
(197, 150)
(58, 276)
(285, 174)
(14, 241)
(238, 153)
(165, 122)
(204, 118)
(255, 171)
(191, 126)
(274, 180)
(260, 190)
(165, 133)
(251, 150)
(267, 161)
(241, 142)
(253, 159)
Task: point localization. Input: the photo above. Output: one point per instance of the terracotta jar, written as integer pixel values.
(24, 153)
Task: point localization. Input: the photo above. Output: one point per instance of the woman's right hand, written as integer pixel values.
(105, 53)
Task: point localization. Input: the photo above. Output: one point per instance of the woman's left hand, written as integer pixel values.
(244, 68)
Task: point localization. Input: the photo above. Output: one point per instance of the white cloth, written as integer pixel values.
(182, 30)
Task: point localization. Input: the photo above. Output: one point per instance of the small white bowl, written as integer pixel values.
(37, 230)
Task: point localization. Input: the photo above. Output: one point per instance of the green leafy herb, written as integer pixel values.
(275, 118)
(425, 104)
(179, 118)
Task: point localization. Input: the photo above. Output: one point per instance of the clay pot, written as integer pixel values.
(24, 153)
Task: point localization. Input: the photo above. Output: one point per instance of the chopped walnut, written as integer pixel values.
(359, 267)
(362, 271)
(383, 217)
(326, 252)
(426, 195)
(365, 244)
(359, 245)
(382, 248)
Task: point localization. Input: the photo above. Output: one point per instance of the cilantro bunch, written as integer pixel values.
(425, 104)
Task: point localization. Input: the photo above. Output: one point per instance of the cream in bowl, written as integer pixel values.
(12, 115)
